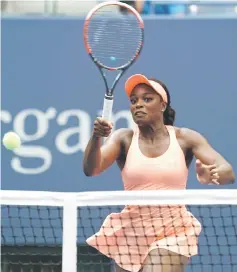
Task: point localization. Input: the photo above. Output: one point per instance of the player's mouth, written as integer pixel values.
(139, 113)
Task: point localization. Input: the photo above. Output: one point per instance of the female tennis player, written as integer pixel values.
(154, 156)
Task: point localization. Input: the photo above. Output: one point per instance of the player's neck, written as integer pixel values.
(153, 132)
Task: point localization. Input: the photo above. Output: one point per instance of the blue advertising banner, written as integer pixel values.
(52, 92)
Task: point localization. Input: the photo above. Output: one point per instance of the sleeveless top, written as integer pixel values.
(167, 171)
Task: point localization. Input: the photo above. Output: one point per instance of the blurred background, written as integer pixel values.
(147, 7)
(52, 92)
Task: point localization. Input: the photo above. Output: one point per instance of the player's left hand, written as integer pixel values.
(207, 174)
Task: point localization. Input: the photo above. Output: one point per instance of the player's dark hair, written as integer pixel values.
(169, 113)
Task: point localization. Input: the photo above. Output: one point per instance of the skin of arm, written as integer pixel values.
(97, 157)
(211, 167)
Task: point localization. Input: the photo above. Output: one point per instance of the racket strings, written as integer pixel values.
(114, 39)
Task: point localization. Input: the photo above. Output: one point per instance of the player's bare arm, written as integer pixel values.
(211, 166)
(97, 156)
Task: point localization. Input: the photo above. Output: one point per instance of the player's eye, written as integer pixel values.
(133, 101)
(147, 99)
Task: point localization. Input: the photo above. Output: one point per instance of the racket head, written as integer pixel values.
(113, 39)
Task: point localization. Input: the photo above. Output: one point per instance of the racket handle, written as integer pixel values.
(107, 109)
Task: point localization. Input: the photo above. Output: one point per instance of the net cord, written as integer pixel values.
(108, 198)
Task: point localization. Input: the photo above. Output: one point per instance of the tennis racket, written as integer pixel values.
(113, 39)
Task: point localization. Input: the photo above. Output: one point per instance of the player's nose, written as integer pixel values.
(139, 104)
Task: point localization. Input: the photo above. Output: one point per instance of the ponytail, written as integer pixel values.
(169, 116)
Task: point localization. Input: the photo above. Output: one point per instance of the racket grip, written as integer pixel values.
(107, 109)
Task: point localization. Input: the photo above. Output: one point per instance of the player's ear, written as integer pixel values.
(164, 106)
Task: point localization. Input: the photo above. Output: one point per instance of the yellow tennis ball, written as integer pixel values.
(11, 140)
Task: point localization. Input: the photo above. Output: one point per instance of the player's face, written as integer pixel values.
(146, 105)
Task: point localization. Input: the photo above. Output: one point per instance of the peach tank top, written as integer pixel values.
(166, 172)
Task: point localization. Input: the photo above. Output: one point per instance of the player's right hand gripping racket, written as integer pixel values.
(114, 40)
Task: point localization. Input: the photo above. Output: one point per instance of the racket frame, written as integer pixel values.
(108, 98)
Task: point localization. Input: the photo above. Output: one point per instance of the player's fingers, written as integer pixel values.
(110, 124)
(213, 171)
(211, 167)
(104, 122)
(199, 166)
(214, 175)
(101, 127)
(215, 181)
(100, 121)
(105, 126)
(101, 131)
(105, 133)
(198, 162)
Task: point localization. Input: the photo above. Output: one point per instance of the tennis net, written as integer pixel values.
(47, 231)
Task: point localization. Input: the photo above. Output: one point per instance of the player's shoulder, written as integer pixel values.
(189, 135)
(123, 133)
(122, 136)
(183, 131)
